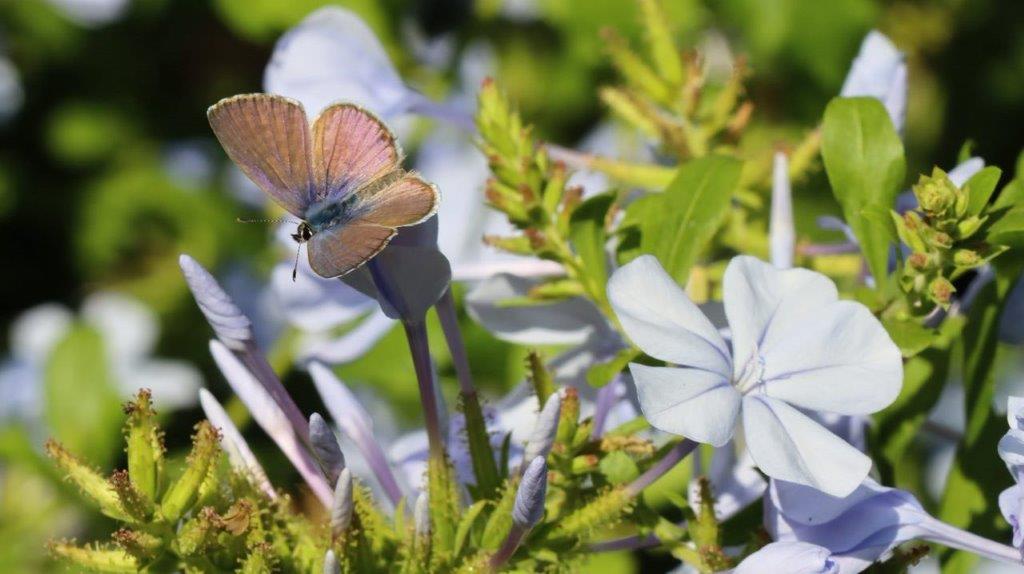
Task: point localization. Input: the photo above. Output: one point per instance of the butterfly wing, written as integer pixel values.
(404, 199)
(351, 149)
(337, 250)
(268, 138)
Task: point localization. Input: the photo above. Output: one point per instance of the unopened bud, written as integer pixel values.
(325, 447)
(936, 195)
(941, 290)
(918, 261)
(966, 258)
(533, 488)
(543, 435)
(341, 509)
(421, 515)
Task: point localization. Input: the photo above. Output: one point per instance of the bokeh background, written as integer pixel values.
(108, 170)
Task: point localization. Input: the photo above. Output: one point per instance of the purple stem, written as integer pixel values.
(419, 346)
(606, 397)
(667, 463)
(456, 346)
(508, 547)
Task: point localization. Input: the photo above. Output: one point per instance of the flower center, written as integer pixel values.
(752, 375)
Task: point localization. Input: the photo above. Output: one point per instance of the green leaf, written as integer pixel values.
(896, 427)
(588, 237)
(864, 160)
(82, 404)
(485, 469)
(981, 186)
(466, 523)
(1007, 229)
(601, 374)
(969, 501)
(910, 336)
(678, 224)
(618, 468)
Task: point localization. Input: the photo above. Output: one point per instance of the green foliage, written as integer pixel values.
(81, 395)
(865, 164)
(677, 225)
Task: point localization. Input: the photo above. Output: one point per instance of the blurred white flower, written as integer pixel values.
(92, 13)
(12, 95)
(129, 330)
(879, 71)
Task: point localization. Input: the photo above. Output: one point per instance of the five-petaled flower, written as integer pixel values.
(795, 346)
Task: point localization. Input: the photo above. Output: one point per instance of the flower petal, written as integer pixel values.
(332, 55)
(567, 322)
(659, 317)
(1015, 412)
(759, 296)
(694, 403)
(880, 72)
(788, 445)
(1011, 449)
(841, 360)
(792, 557)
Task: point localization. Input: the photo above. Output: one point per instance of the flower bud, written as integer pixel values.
(231, 326)
(331, 565)
(325, 447)
(941, 290)
(421, 514)
(543, 435)
(529, 505)
(936, 195)
(967, 258)
(341, 510)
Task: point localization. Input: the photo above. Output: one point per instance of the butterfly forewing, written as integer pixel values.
(340, 249)
(268, 138)
(405, 201)
(351, 149)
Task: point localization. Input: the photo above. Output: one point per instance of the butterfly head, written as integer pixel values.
(303, 233)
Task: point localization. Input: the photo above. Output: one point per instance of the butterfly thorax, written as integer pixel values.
(326, 214)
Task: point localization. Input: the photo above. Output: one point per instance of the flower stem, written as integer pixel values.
(667, 463)
(419, 347)
(453, 337)
(508, 547)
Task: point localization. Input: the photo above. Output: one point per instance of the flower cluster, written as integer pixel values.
(695, 377)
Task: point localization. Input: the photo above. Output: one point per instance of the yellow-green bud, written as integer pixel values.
(941, 291)
(936, 194)
(966, 258)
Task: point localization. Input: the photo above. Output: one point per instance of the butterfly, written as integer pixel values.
(342, 176)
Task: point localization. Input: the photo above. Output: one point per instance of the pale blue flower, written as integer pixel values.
(791, 558)
(1011, 450)
(794, 345)
(879, 71)
(864, 526)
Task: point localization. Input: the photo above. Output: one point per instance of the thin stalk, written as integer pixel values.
(508, 547)
(419, 347)
(667, 463)
(485, 469)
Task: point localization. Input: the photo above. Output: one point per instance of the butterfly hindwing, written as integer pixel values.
(337, 250)
(406, 200)
(268, 139)
(351, 149)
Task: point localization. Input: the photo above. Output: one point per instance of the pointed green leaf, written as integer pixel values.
(981, 186)
(677, 225)
(864, 160)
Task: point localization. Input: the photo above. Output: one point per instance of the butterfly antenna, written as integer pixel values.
(263, 220)
(295, 269)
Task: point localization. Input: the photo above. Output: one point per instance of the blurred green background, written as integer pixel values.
(108, 169)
